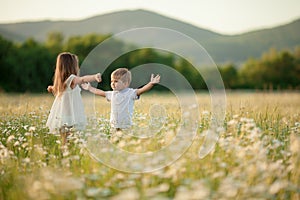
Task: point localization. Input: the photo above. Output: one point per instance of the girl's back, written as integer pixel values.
(67, 109)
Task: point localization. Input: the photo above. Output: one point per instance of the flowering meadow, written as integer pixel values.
(257, 155)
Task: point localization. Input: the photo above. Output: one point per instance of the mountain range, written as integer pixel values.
(222, 48)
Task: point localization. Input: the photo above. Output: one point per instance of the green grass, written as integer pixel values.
(257, 155)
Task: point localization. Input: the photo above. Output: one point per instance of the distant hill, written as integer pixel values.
(222, 48)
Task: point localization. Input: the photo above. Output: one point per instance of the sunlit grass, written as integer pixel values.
(257, 155)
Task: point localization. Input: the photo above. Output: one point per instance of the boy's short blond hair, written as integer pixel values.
(122, 74)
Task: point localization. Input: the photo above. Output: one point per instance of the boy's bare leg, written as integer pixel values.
(116, 135)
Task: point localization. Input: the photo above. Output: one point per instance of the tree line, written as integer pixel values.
(29, 66)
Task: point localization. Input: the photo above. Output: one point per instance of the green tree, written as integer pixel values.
(273, 70)
(83, 45)
(30, 67)
(7, 50)
(54, 42)
(190, 73)
(229, 75)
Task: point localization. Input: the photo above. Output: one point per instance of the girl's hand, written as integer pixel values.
(86, 86)
(50, 89)
(98, 77)
(154, 79)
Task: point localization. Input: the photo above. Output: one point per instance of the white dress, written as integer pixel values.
(67, 109)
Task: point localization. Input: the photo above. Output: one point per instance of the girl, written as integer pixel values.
(67, 110)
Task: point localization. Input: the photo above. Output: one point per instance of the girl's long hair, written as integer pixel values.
(66, 64)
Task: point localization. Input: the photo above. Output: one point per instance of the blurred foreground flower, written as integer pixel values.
(50, 182)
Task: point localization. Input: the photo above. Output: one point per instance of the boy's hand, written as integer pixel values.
(86, 86)
(154, 79)
(98, 77)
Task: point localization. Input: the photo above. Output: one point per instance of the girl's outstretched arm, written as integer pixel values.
(154, 80)
(87, 86)
(84, 79)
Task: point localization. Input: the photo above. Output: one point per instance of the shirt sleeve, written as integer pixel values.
(134, 96)
(108, 95)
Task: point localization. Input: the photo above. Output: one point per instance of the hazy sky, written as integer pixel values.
(223, 16)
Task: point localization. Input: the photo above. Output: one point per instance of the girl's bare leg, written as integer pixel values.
(63, 138)
(64, 133)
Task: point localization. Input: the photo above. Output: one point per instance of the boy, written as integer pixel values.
(122, 97)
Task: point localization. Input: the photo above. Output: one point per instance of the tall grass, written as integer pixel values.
(257, 155)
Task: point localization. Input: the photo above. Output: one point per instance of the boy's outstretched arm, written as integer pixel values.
(87, 86)
(154, 80)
